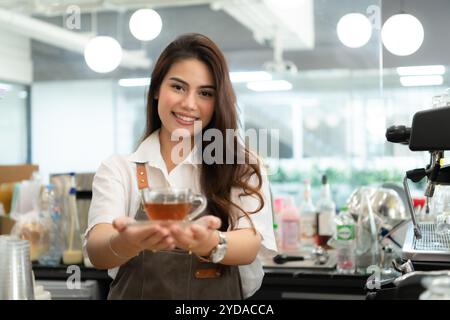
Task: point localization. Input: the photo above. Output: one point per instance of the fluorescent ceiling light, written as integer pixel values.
(134, 82)
(5, 87)
(272, 85)
(249, 76)
(412, 81)
(421, 70)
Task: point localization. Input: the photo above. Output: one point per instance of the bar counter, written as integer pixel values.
(292, 280)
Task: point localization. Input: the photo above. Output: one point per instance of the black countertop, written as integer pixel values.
(305, 283)
(279, 282)
(62, 272)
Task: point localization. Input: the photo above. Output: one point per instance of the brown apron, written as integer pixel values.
(173, 274)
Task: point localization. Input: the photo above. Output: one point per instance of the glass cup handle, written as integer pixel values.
(200, 208)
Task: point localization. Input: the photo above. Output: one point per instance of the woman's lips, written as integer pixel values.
(184, 120)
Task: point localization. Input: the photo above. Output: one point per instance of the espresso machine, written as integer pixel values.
(430, 131)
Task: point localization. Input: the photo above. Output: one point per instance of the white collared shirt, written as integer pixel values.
(115, 193)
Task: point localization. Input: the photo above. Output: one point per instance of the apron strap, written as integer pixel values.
(141, 174)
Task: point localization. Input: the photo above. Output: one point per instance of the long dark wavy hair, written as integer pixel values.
(216, 180)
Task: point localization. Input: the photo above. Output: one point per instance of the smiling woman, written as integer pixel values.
(217, 256)
(183, 98)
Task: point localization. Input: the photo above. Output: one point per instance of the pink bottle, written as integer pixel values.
(290, 226)
(277, 219)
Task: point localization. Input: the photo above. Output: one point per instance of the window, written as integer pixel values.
(14, 126)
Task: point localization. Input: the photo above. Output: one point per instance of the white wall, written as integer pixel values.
(72, 125)
(15, 58)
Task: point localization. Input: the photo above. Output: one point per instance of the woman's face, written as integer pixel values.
(187, 94)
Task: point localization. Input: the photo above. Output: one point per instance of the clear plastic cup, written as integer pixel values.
(16, 278)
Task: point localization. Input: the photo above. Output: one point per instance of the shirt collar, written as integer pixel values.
(149, 151)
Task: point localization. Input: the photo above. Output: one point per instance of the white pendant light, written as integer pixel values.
(354, 30)
(402, 34)
(103, 54)
(145, 24)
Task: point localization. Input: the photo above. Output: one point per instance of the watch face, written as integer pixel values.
(219, 253)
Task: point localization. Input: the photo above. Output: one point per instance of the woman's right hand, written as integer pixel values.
(154, 236)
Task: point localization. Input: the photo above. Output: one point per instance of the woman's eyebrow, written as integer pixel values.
(187, 84)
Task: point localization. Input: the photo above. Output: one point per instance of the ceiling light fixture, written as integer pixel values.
(415, 81)
(249, 76)
(134, 82)
(145, 24)
(103, 54)
(402, 34)
(272, 85)
(421, 70)
(4, 87)
(354, 30)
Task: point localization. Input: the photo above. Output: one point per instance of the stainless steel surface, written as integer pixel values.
(385, 203)
(417, 232)
(434, 168)
(410, 276)
(404, 268)
(84, 181)
(320, 255)
(431, 241)
(431, 247)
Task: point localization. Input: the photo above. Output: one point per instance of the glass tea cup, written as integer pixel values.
(169, 204)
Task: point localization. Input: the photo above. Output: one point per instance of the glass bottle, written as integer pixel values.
(326, 212)
(51, 212)
(290, 226)
(308, 218)
(344, 242)
(73, 253)
(367, 245)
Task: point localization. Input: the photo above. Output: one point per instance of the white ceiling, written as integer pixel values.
(240, 44)
(58, 7)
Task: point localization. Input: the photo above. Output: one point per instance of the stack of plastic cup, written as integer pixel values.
(16, 277)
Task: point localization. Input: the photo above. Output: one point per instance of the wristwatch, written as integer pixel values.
(219, 252)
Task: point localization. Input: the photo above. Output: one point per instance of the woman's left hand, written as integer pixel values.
(196, 237)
